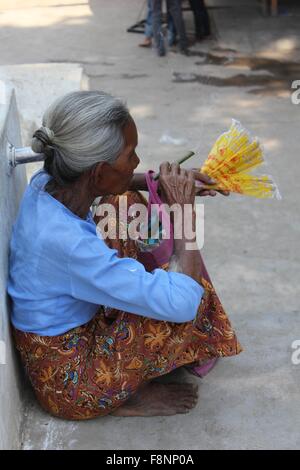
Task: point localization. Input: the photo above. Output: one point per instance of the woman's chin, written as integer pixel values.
(121, 190)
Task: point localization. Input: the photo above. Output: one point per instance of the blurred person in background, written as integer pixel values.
(149, 28)
(201, 18)
(174, 9)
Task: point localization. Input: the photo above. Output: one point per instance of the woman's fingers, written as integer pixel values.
(164, 168)
(202, 177)
(203, 193)
(183, 172)
(193, 174)
(211, 192)
(175, 169)
(208, 192)
(224, 193)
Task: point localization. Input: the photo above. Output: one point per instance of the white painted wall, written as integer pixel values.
(37, 86)
(12, 184)
(33, 87)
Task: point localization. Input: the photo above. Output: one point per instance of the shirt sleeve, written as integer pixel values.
(98, 275)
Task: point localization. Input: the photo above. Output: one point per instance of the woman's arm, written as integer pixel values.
(138, 182)
(99, 276)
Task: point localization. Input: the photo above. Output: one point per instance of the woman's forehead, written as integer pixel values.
(131, 134)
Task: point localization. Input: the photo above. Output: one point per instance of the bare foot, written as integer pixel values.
(157, 399)
(146, 43)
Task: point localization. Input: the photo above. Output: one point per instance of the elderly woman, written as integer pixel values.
(92, 325)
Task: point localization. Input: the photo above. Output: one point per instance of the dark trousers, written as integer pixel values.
(174, 8)
(202, 23)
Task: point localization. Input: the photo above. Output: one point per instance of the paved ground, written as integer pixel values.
(251, 246)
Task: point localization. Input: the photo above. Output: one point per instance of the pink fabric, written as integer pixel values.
(204, 369)
(160, 255)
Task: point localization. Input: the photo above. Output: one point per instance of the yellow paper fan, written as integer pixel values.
(231, 160)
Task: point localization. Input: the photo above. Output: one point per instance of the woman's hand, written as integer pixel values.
(202, 179)
(177, 184)
(138, 183)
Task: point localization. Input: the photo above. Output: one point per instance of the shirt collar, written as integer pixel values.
(38, 182)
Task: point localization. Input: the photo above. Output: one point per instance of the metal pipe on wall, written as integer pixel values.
(21, 155)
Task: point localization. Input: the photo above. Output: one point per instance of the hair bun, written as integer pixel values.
(42, 138)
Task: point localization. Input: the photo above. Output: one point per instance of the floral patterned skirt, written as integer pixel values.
(94, 368)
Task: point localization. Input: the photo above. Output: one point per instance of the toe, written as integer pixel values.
(183, 409)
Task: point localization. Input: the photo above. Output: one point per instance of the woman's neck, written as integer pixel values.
(76, 196)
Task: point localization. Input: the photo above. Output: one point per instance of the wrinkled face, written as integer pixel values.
(115, 178)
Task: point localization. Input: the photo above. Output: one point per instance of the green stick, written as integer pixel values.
(181, 160)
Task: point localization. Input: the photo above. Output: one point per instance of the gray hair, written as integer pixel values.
(80, 129)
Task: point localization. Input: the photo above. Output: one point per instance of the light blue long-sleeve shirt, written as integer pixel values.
(61, 270)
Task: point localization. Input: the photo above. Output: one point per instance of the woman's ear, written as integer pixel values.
(102, 177)
(101, 172)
